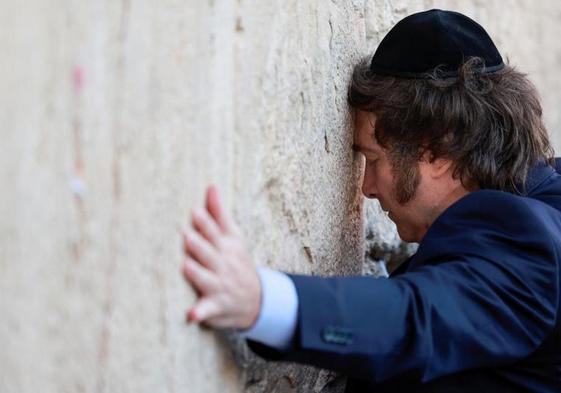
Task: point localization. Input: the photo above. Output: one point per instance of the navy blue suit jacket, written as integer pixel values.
(477, 307)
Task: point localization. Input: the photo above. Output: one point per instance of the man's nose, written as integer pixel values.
(369, 189)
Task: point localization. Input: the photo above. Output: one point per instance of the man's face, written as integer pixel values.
(412, 209)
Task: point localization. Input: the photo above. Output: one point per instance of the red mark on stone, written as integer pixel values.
(78, 77)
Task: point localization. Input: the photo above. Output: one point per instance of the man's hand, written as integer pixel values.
(219, 268)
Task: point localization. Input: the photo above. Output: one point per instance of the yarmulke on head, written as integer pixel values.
(421, 42)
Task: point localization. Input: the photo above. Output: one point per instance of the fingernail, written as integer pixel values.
(196, 213)
(186, 233)
(191, 317)
(186, 265)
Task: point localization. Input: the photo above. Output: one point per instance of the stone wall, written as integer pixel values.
(117, 114)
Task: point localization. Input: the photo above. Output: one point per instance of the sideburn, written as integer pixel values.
(407, 178)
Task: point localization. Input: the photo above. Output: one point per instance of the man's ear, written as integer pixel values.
(438, 166)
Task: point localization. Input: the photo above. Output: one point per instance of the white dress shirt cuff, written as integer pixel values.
(277, 318)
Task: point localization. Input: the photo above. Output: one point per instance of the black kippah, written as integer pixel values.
(420, 42)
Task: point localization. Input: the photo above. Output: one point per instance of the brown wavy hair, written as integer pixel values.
(489, 124)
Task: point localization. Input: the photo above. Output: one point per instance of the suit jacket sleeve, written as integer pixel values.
(482, 291)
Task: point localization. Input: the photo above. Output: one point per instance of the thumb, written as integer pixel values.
(206, 308)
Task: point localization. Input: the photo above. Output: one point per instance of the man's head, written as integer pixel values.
(483, 124)
(413, 195)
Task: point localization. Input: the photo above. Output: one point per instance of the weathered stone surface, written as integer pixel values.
(117, 114)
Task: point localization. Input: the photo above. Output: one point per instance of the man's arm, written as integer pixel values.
(487, 297)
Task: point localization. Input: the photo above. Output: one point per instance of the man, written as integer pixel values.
(456, 152)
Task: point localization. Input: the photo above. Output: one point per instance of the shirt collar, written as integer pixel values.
(537, 175)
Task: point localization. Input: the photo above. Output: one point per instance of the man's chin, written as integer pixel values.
(405, 235)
